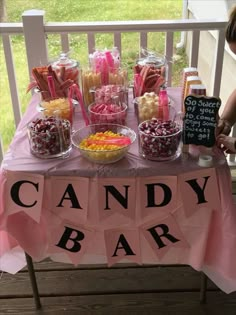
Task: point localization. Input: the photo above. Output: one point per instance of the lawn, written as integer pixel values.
(82, 10)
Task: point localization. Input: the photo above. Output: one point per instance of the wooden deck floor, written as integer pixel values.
(127, 290)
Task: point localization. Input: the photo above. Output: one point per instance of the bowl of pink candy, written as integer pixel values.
(112, 113)
(159, 140)
(49, 137)
(110, 93)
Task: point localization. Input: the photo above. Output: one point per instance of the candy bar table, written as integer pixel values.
(174, 212)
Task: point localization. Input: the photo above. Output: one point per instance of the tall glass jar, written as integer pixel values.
(67, 68)
(150, 74)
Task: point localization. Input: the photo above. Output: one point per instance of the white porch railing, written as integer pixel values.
(36, 31)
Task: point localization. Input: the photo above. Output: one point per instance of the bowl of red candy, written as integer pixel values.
(49, 137)
(159, 140)
(112, 113)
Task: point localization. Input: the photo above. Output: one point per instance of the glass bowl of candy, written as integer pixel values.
(148, 106)
(49, 137)
(150, 73)
(112, 113)
(103, 143)
(110, 93)
(59, 107)
(160, 140)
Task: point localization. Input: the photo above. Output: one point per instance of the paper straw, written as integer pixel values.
(51, 86)
(70, 97)
(110, 60)
(138, 80)
(165, 112)
(76, 90)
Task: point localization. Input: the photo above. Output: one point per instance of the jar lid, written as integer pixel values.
(65, 61)
(152, 59)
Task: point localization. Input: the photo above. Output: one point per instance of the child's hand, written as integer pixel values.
(226, 143)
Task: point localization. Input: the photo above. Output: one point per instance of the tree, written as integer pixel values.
(3, 11)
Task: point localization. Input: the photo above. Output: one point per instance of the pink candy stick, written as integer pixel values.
(76, 90)
(110, 60)
(166, 113)
(70, 96)
(51, 86)
(116, 141)
(138, 83)
(105, 72)
(163, 103)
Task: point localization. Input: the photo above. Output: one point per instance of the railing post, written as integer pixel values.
(218, 64)
(1, 150)
(35, 38)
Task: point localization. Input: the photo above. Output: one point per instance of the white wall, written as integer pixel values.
(211, 9)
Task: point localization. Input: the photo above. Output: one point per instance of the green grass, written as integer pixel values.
(82, 10)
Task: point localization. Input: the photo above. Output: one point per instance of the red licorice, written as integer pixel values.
(159, 140)
(49, 137)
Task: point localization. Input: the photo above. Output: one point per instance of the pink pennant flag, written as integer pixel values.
(2, 194)
(157, 195)
(13, 260)
(24, 192)
(70, 197)
(163, 235)
(7, 242)
(122, 243)
(72, 240)
(116, 195)
(30, 235)
(199, 189)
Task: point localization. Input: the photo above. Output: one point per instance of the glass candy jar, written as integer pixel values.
(67, 68)
(159, 140)
(111, 113)
(49, 137)
(110, 94)
(150, 74)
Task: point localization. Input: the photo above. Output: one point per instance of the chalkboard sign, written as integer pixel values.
(200, 120)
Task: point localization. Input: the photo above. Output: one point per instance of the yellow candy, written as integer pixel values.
(98, 147)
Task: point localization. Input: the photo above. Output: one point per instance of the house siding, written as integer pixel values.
(206, 59)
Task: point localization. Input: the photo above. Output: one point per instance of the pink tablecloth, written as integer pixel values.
(211, 234)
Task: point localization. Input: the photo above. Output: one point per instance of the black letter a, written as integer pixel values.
(125, 245)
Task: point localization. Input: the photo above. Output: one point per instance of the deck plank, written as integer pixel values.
(101, 281)
(48, 264)
(176, 303)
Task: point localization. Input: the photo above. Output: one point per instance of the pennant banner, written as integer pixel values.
(70, 197)
(199, 189)
(24, 193)
(116, 195)
(60, 220)
(122, 243)
(162, 235)
(70, 239)
(157, 195)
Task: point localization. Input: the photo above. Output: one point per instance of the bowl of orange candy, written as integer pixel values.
(103, 143)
